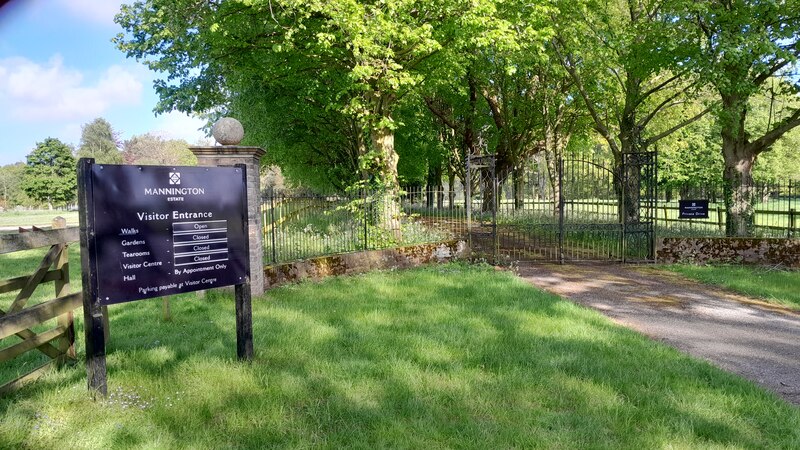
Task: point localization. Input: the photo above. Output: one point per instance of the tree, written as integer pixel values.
(316, 147)
(511, 90)
(423, 147)
(10, 178)
(781, 162)
(494, 102)
(563, 118)
(151, 149)
(50, 175)
(690, 158)
(99, 141)
(738, 46)
(355, 57)
(453, 101)
(623, 58)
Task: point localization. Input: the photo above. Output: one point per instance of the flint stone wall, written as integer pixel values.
(352, 263)
(758, 251)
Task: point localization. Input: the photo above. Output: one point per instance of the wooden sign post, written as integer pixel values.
(152, 231)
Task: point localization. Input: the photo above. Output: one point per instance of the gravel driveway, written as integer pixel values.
(756, 340)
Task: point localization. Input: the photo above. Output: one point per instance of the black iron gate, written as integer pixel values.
(481, 190)
(640, 197)
(567, 210)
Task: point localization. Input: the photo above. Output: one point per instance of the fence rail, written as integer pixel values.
(17, 323)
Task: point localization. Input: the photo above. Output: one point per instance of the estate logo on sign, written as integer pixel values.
(174, 178)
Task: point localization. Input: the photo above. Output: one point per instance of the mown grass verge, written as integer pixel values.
(39, 218)
(781, 287)
(448, 356)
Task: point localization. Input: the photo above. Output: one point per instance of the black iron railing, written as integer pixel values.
(774, 206)
(301, 226)
(574, 217)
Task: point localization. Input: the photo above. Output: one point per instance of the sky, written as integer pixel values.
(59, 71)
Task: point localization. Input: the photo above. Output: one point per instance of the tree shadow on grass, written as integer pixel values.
(442, 357)
(575, 384)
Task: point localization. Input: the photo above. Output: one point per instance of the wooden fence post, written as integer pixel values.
(106, 327)
(244, 321)
(720, 221)
(67, 345)
(792, 223)
(166, 311)
(243, 295)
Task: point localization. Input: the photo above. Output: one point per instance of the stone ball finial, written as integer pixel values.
(227, 131)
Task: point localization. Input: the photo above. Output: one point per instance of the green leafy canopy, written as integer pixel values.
(50, 175)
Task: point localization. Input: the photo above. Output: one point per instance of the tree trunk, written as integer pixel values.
(738, 190)
(434, 186)
(451, 192)
(489, 200)
(737, 175)
(542, 177)
(630, 141)
(519, 187)
(553, 163)
(627, 184)
(389, 205)
(632, 191)
(555, 141)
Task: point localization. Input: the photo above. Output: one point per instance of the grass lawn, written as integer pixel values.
(447, 356)
(40, 218)
(775, 286)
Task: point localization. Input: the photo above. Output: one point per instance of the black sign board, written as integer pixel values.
(693, 209)
(166, 230)
(148, 231)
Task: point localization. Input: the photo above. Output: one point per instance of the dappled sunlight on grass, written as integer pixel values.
(306, 328)
(445, 356)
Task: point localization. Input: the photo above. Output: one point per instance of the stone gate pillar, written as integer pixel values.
(228, 132)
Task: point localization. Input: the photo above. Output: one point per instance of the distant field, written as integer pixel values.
(41, 218)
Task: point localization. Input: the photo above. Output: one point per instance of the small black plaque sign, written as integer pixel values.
(693, 209)
(166, 230)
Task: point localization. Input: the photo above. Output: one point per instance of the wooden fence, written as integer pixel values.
(57, 343)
